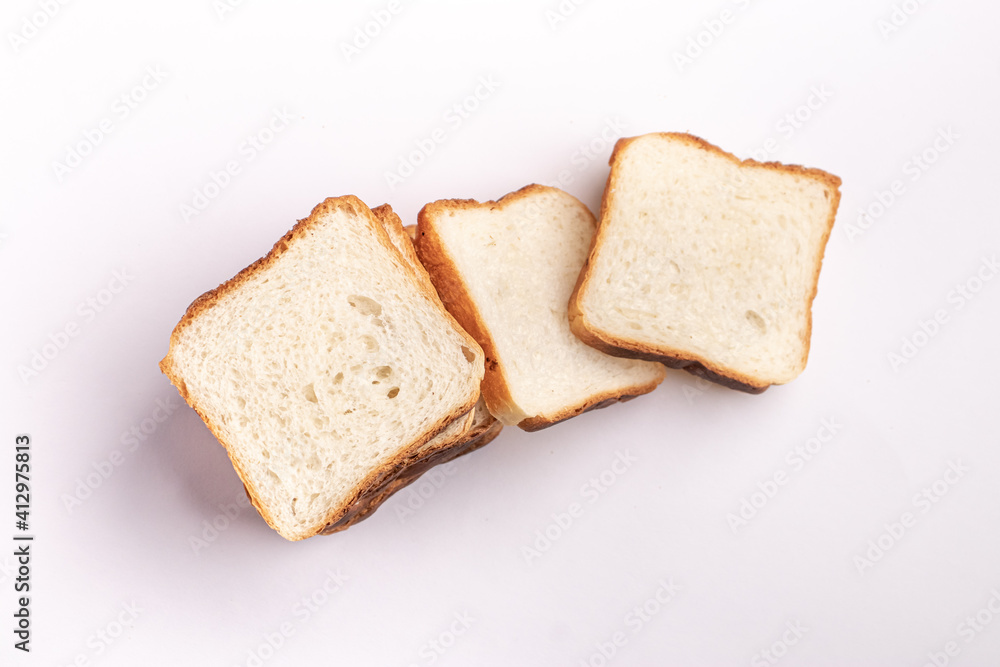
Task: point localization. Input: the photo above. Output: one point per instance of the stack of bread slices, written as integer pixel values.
(357, 354)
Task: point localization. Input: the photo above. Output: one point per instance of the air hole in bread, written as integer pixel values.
(383, 372)
(393, 392)
(365, 305)
(371, 345)
(338, 378)
(310, 392)
(757, 321)
(469, 356)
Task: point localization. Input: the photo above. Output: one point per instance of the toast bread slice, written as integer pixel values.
(706, 262)
(505, 269)
(323, 366)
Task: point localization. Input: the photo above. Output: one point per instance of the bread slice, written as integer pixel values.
(705, 262)
(322, 366)
(505, 270)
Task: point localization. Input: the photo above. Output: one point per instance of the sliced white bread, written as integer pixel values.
(505, 269)
(705, 262)
(323, 365)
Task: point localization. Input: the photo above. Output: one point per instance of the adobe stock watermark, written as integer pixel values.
(597, 148)
(926, 330)
(634, 622)
(966, 631)
(591, 491)
(248, 151)
(101, 641)
(131, 440)
(87, 311)
(898, 17)
(223, 8)
(413, 498)
(922, 503)
(121, 109)
(366, 34)
(32, 24)
(454, 117)
(561, 13)
(710, 31)
(914, 168)
(302, 612)
(8, 568)
(792, 121)
(772, 655)
(435, 647)
(695, 387)
(795, 461)
(211, 529)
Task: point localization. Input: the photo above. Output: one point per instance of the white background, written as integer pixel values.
(699, 451)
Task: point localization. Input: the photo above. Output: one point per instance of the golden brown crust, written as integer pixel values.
(393, 225)
(209, 299)
(457, 298)
(671, 357)
(454, 294)
(595, 403)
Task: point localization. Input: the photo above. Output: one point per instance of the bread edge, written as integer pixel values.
(457, 297)
(671, 357)
(210, 298)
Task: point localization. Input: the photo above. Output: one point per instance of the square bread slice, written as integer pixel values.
(322, 366)
(705, 262)
(505, 270)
